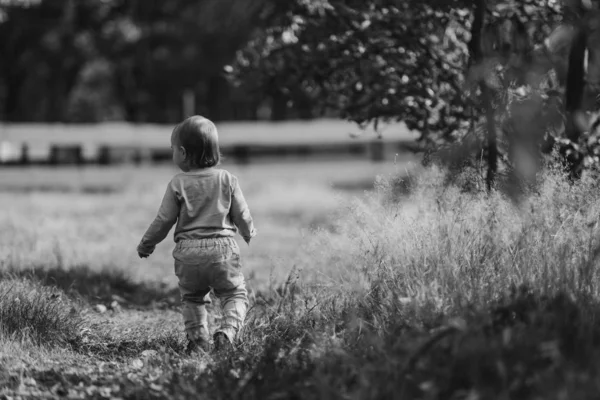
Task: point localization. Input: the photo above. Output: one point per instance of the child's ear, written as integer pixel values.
(183, 152)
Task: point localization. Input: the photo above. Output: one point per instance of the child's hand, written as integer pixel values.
(142, 255)
(248, 238)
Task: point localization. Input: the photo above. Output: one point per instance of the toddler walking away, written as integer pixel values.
(209, 208)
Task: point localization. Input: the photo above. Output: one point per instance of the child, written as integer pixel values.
(207, 204)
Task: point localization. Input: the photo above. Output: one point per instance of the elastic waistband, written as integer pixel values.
(208, 242)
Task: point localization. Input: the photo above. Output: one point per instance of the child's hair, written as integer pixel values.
(198, 136)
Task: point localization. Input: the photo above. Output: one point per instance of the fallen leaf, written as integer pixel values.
(101, 308)
(118, 298)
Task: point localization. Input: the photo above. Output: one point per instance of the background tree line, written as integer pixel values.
(90, 60)
(506, 80)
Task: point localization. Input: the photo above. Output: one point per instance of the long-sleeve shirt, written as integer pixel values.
(206, 203)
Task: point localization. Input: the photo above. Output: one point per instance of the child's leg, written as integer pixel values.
(195, 317)
(235, 305)
(194, 288)
(230, 287)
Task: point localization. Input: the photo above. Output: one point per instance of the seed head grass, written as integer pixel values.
(440, 248)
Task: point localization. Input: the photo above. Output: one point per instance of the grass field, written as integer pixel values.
(95, 216)
(437, 294)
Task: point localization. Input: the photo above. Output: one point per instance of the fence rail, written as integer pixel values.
(74, 154)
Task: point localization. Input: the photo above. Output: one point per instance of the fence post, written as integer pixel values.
(141, 156)
(53, 159)
(60, 154)
(241, 154)
(377, 150)
(24, 160)
(103, 155)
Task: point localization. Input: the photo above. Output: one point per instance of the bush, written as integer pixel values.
(32, 312)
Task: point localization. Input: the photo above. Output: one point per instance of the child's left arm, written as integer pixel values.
(162, 224)
(240, 213)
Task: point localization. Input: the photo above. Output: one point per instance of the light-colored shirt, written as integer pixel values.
(206, 203)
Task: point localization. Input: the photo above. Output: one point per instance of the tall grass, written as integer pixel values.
(441, 248)
(32, 313)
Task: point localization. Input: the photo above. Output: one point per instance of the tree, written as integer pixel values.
(439, 66)
(369, 61)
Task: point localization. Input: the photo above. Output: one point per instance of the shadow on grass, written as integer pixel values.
(111, 349)
(100, 286)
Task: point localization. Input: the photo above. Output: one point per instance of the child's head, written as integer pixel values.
(195, 144)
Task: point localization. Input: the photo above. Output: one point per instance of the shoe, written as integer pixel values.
(222, 343)
(196, 346)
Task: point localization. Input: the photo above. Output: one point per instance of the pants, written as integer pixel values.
(202, 265)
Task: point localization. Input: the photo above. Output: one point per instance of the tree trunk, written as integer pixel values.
(575, 83)
(476, 59)
(217, 98)
(303, 105)
(126, 90)
(279, 107)
(492, 143)
(574, 92)
(11, 108)
(55, 110)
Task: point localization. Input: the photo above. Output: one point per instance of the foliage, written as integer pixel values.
(419, 62)
(376, 61)
(541, 90)
(368, 61)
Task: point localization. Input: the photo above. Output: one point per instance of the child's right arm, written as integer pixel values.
(240, 213)
(162, 224)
